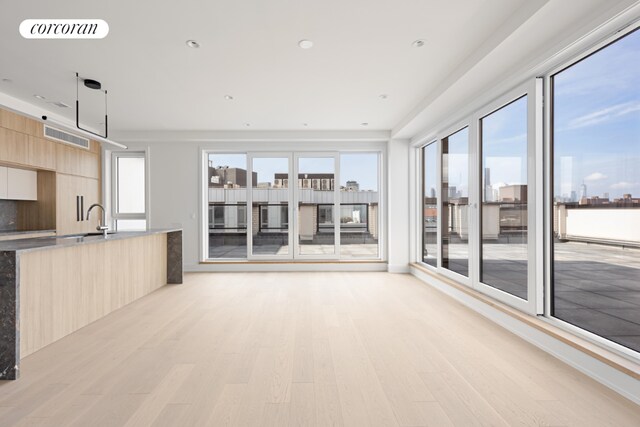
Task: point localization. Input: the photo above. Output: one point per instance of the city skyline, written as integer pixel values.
(597, 122)
(360, 167)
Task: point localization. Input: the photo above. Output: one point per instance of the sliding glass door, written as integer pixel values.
(454, 243)
(227, 205)
(430, 204)
(317, 207)
(270, 198)
(476, 217)
(504, 194)
(289, 206)
(595, 237)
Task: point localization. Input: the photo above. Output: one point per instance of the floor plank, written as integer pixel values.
(316, 349)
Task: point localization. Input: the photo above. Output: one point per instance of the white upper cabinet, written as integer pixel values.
(3, 182)
(18, 184)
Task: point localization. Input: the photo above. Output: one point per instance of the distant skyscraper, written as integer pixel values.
(583, 191)
(432, 192)
(488, 191)
(574, 196)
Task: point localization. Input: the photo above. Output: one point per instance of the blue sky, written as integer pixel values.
(361, 167)
(597, 122)
(504, 144)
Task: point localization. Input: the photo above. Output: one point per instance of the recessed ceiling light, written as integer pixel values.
(364, 124)
(247, 124)
(39, 97)
(305, 124)
(418, 43)
(228, 97)
(383, 96)
(305, 44)
(193, 44)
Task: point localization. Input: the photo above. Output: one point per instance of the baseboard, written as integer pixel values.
(286, 266)
(605, 374)
(398, 268)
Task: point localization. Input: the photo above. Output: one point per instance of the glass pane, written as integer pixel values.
(315, 206)
(131, 224)
(430, 204)
(131, 183)
(596, 190)
(270, 211)
(227, 182)
(455, 202)
(358, 205)
(504, 199)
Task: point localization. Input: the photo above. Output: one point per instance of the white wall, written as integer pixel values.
(398, 206)
(611, 225)
(175, 187)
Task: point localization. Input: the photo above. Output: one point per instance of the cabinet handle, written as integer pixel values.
(81, 208)
(77, 208)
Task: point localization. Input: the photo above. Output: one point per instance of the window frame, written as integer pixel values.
(285, 148)
(533, 91)
(547, 213)
(115, 215)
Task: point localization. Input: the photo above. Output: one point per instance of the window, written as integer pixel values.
(430, 204)
(359, 213)
(503, 224)
(227, 198)
(128, 207)
(455, 202)
(595, 269)
(292, 205)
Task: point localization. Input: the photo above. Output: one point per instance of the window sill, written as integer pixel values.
(300, 261)
(599, 353)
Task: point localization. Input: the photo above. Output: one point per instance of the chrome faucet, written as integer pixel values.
(101, 226)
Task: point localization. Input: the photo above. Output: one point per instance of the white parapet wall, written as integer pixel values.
(614, 226)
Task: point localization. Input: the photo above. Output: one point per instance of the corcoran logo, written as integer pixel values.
(64, 29)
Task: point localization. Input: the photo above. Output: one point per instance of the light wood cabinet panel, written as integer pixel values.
(22, 184)
(68, 187)
(76, 161)
(20, 123)
(67, 160)
(14, 147)
(62, 290)
(42, 153)
(40, 215)
(22, 143)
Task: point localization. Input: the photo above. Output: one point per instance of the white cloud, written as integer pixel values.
(623, 185)
(596, 176)
(604, 115)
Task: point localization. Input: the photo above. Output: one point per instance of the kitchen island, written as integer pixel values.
(53, 286)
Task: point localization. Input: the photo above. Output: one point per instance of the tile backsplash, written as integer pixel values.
(8, 215)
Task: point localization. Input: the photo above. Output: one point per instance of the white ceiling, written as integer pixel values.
(362, 49)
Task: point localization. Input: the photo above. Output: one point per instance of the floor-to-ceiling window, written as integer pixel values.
(227, 205)
(293, 205)
(359, 205)
(596, 192)
(316, 204)
(504, 195)
(270, 205)
(455, 202)
(576, 257)
(430, 204)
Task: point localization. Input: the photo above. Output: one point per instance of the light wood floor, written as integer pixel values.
(323, 349)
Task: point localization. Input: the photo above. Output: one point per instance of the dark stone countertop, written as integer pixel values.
(40, 243)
